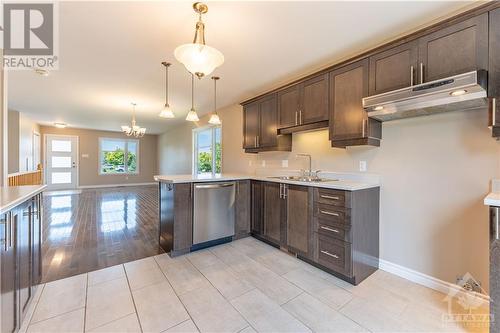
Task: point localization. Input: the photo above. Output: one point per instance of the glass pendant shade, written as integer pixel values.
(192, 116)
(199, 59)
(214, 120)
(167, 112)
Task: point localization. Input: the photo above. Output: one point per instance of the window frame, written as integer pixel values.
(194, 164)
(99, 162)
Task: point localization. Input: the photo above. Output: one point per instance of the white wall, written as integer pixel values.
(435, 172)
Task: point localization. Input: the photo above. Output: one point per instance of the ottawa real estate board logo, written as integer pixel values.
(29, 35)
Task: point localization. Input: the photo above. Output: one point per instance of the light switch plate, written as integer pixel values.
(284, 163)
(362, 166)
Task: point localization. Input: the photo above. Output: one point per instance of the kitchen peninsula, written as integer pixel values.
(330, 222)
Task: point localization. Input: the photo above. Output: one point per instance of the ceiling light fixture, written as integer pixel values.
(134, 130)
(199, 58)
(60, 125)
(167, 111)
(458, 92)
(192, 115)
(214, 118)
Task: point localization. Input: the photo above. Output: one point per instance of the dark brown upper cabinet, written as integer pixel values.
(494, 71)
(304, 105)
(349, 123)
(457, 49)
(260, 126)
(393, 69)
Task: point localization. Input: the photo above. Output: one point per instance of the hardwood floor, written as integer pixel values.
(98, 228)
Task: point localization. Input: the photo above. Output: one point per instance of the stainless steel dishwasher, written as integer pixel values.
(214, 213)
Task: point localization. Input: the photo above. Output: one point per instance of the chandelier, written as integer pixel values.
(199, 58)
(134, 130)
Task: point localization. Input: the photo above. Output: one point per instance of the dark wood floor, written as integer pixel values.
(98, 228)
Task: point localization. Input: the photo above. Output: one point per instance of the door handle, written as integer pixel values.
(281, 191)
(494, 223)
(421, 72)
(296, 117)
(213, 185)
(330, 229)
(3, 241)
(324, 196)
(329, 213)
(285, 189)
(411, 75)
(330, 254)
(300, 117)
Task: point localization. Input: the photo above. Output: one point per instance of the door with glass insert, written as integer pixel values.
(61, 162)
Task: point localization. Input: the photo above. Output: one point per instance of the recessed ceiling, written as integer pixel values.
(111, 53)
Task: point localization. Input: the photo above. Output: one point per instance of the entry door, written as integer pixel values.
(61, 162)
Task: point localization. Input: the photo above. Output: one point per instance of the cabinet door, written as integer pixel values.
(460, 48)
(348, 86)
(393, 69)
(256, 213)
(183, 218)
(24, 255)
(251, 124)
(9, 303)
(314, 100)
(272, 212)
(494, 56)
(298, 218)
(288, 106)
(242, 227)
(268, 122)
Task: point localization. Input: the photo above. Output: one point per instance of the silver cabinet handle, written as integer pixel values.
(218, 185)
(296, 117)
(411, 75)
(281, 191)
(363, 128)
(494, 110)
(300, 117)
(3, 241)
(324, 196)
(329, 213)
(255, 142)
(258, 141)
(421, 72)
(330, 229)
(330, 254)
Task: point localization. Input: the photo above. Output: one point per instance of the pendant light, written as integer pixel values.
(134, 129)
(214, 118)
(167, 111)
(192, 116)
(199, 58)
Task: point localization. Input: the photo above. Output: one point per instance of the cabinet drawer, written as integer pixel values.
(331, 213)
(334, 254)
(329, 197)
(331, 229)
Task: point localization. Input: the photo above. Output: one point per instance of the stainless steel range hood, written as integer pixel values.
(459, 92)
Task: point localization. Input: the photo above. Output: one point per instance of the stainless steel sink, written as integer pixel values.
(304, 179)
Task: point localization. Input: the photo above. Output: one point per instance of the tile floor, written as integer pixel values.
(244, 286)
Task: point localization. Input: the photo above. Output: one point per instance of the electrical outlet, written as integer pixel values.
(284, 163)
(263, 163)
(362, 166)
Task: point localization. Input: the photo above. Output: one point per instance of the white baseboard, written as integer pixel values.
(427, 280)
(117, 185)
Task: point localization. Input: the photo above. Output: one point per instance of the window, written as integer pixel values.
(207, 151)
(118, 156)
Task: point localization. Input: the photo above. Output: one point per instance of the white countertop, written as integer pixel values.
(336, 180)
(493, 199)
(12, 196)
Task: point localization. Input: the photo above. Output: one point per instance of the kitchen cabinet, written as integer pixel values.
(393, 69)
(494, 71)
(256, 208)
(273, 212)
(298, 219)
(9, 291)
(176, 217)
(260, 127)
(24, 251)
(304, 105)
(456, 49)
(242, 203)
(349, 122)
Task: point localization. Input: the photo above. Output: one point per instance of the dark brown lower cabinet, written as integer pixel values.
(257, 224)
(298, 216)
(176, 217)
(242, 221)
(273, 212)
(20, 255)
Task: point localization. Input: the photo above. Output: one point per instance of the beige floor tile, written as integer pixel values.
(184, 277)
(107, 302)
(320, 317)
(127, 324)
(71, 322)
(225, 280)
(279, 262)
(144, 272)
(322, 289)
(211, 312)
(232, 257)
(185, 327)
(106, 274)
(159, 307)
(203, 258)
(60, 297)
(265, 315)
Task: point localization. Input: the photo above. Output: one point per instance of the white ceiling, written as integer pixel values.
(111, 53)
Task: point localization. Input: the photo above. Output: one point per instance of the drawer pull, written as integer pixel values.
(329, 213)
(324, 196)
(330, 254)
(330, 229)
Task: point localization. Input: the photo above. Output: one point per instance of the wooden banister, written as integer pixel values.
(26, 178)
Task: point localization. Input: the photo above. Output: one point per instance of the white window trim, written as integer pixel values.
(99, 166)
(195, 147)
